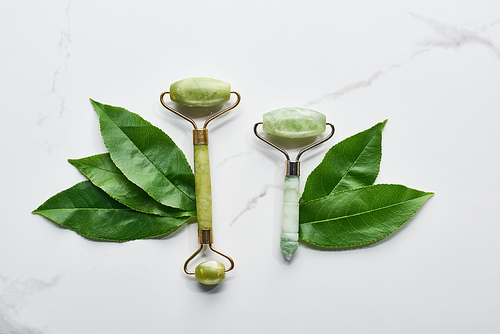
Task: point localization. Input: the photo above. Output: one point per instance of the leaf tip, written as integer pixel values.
(96, 104)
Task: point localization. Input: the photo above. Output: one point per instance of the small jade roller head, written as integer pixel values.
(292, 123)
(196, 93)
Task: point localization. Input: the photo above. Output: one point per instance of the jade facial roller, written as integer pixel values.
(203, 92)
(292, 123)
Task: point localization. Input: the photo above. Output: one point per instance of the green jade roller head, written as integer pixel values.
(292, 123)
(203, 92)
(200, 92)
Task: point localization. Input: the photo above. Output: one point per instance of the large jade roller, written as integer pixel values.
(292, 123)
(203, 92)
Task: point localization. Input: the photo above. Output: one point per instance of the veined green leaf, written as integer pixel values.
(358, 217)
(352, 163)
(102, 172)
(89, 211)
(147, 157)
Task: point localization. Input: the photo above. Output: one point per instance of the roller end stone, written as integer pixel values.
(210, 272)
(288, 248)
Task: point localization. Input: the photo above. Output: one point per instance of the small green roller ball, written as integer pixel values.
(210, 272)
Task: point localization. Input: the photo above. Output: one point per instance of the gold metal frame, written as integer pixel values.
(293, 167)
(205, 238)
(209, 119)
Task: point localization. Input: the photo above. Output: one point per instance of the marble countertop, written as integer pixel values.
(432, 68)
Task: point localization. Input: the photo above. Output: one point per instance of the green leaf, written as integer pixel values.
(102, 172)
(89, 211)
(352, 163)
(147, 157)
(358, 217)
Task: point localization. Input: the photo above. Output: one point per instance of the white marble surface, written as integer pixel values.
(431, 67)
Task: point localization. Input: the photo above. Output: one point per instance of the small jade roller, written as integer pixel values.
(292, 123)
(203, 92)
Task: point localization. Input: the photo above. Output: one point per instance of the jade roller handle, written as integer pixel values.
(290, 217)
(203, 188)
(201, 93)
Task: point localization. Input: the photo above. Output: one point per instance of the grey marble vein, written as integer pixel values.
(14, 296)
(451, 37)
(252, 203)
(63, 48)
(354, 85)
(446, 36)
(226, 160)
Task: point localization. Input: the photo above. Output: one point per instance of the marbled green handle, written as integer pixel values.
(203, 188)
(290, 217)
